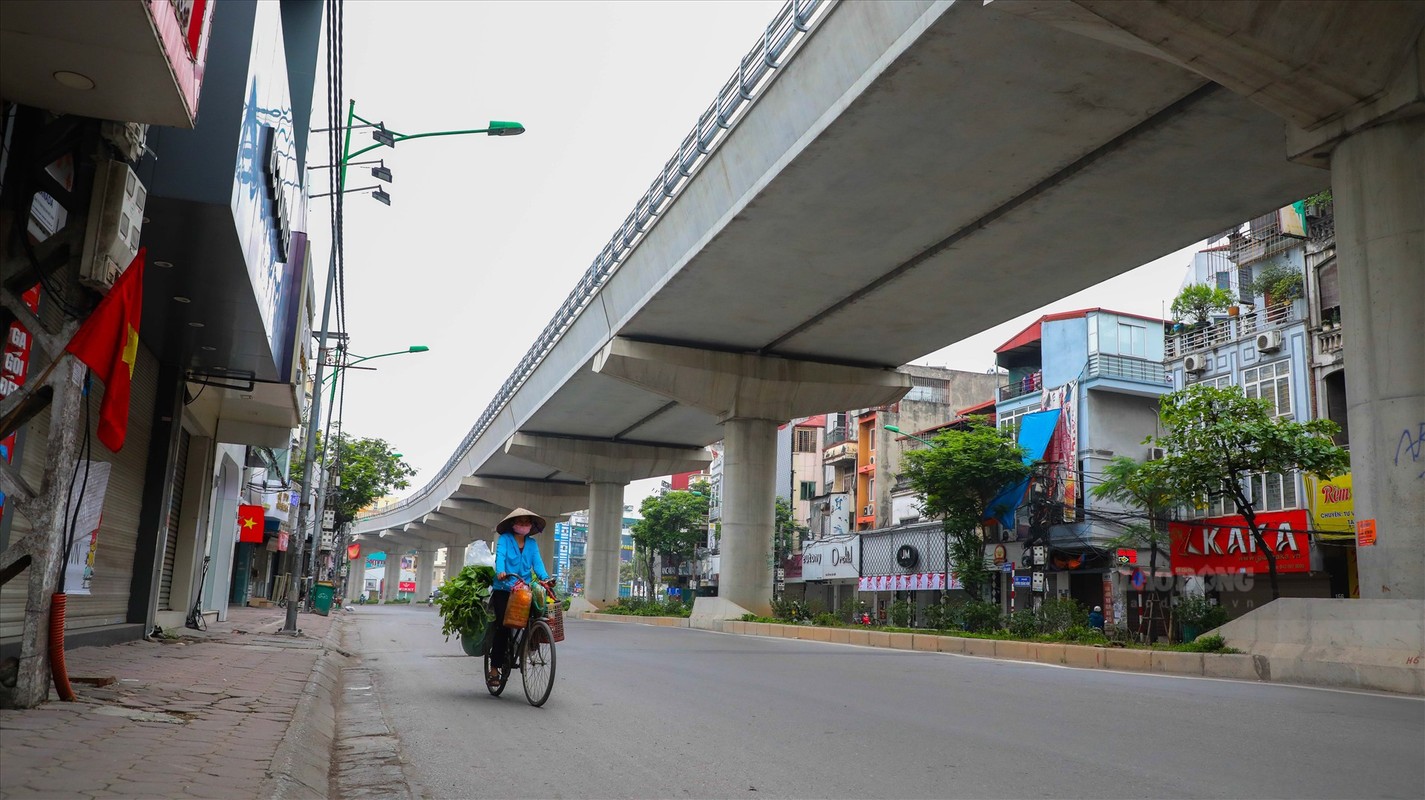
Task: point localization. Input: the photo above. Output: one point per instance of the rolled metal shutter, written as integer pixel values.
(175, 512)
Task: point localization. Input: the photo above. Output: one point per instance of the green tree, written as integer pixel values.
(1217, 438)
(1198, 301)
(786, 533)
(957, 479)
(1148, 487)
(367, 469)
(674, 523)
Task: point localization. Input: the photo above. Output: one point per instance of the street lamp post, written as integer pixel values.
(295, 560)
(321, 472)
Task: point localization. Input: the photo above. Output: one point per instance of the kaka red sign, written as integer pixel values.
(1225, 545)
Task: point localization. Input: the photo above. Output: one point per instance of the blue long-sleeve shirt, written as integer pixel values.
(519, 563)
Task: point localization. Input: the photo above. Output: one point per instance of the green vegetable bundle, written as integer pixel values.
(464, 602)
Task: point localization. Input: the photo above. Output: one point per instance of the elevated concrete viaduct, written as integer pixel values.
(912, 173)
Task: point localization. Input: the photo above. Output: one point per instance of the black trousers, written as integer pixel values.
(499, 600)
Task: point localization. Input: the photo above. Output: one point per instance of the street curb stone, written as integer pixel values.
(301, 767)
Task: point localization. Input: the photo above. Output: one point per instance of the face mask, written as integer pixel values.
(523, 528)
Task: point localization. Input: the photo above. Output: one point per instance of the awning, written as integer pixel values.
(1035, 430)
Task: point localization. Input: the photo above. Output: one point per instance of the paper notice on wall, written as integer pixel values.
(84, 541)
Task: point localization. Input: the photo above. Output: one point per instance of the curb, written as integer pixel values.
(301, 767)
(1226, 666)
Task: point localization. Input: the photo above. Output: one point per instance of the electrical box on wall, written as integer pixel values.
(115, 221)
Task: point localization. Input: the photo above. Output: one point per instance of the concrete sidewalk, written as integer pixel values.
(236, 711)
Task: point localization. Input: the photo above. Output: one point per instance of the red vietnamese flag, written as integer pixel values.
(250, 524)
(108, 343)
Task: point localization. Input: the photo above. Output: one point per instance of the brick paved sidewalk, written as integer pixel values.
(211, 714)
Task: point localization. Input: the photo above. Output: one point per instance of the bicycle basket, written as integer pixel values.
(555, 620)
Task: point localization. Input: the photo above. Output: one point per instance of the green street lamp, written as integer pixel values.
(894, 429)
(296, 561)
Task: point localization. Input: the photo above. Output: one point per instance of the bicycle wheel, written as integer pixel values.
(504, 673)
(537, 663)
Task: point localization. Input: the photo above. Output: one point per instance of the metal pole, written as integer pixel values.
(315, 412)
(309, 475)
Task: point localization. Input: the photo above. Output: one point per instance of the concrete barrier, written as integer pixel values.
(1176, 663)
(1337, 631)
(984, 648)
(951, 644)
(1361, 644)
(1123, 658)
(1087, 657)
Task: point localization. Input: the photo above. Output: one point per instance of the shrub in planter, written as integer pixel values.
(1195, 614)
(1279, 283)
(978, 616)
(464, 602)
(902, 613)
(1023, 624)
(1059, 615)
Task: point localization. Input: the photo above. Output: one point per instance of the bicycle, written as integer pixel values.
(531, 651)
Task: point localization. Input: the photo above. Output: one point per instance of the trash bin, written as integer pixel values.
(322, 597)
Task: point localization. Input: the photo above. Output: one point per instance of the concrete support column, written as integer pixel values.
(425, 571)
(546, 549)
(454, 560)
(749, 498)
(1378, 184)
(355, 576)
(393, 574)
(601, 553)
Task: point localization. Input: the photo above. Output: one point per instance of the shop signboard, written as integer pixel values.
(406, 586)
(1223, 545)
(1330, 502)
(832, 559)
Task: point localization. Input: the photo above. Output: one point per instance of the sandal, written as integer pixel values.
(492, 678)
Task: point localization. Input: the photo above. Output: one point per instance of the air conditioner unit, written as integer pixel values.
(868, 511)
(115, 221)
(1268, 341)
(1155, 453)
(1195, 363)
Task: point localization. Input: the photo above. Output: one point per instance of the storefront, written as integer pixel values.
(830, 571)
(904, 565)
(1223, 554)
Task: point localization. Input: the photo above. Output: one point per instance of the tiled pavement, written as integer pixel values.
(236, 711)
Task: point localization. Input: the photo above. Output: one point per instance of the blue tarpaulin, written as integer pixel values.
(1035, 431)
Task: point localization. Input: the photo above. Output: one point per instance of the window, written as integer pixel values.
(1273, 492)
(1009, 420)
(1267, 492)
(1271, 382)
(805, 440)
(1132, 340)
(808, 490)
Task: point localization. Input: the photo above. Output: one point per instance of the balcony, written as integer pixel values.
(846, 451)
(1227, 331)
(1032, 382)
(838, 435)
(1329, 342)
(136, 61)
(1127, 368)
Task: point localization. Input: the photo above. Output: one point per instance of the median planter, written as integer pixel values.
(901, 641)
(980, 647)
(1177, 663)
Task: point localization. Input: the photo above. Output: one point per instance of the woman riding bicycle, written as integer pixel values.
(516, 556)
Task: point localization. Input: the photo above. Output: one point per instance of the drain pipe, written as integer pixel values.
(56, 647)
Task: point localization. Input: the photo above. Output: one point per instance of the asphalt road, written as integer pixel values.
(644, 712)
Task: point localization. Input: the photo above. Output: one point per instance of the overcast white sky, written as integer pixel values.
(486, 236)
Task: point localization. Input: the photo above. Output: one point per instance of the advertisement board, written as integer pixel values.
(1331, 505)
(1223, 545)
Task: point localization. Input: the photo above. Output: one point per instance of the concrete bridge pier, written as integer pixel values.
(356, 570)
(608, 466)
(425, 572)
(1378, 185)
(751, 395)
